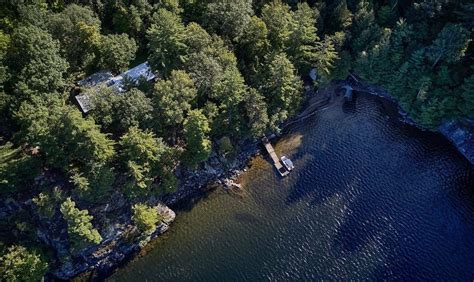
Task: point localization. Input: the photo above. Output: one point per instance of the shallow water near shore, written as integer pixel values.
(369, 198)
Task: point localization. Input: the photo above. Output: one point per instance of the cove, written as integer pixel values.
(370, 198)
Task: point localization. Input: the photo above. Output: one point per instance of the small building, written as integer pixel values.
(95, 79)
(133, 75)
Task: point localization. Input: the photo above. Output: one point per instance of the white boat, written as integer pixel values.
(288, 163)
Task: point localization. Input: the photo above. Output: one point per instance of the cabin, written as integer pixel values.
(133, 75)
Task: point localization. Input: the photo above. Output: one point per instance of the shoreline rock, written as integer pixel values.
(115, 250)
(459, 132)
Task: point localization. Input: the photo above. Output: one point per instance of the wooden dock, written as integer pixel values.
(276, 161)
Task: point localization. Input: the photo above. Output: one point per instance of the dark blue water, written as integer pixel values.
(369, 199)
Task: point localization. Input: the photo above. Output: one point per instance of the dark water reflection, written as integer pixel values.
(369, 198)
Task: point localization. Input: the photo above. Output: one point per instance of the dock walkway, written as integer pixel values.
(276, 161)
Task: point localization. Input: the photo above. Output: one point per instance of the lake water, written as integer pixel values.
(369, 199)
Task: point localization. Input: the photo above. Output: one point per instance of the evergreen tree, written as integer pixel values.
(256, 109)
(253, 45)
(196, 130)
(282, 88)
(118, 112)
(229, 91)
(172, 99)
(304, 39)
(20, 264)
(64, 137)
(467, 106)
(79, 226)
(166, 42)
(141, 153)
(145, 218)
(17, 169)
(280, 23)
(450, 45)
(94, 185)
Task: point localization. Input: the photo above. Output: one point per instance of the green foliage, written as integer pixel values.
(256, 108)
(116, 52)
(78, 30)
(304, 41)
(168, 183)
(141, 152)
(228, 18)
(229, 91)
(283, 88)
(45, 203)
(450, 45)
(94, 185)
(225, 146)
(4, 44)
(20, 264)
(253, 45)
(17, 170)
(166, 42)
(172, 99)
(118, 112)
(340, 17)
(34, 61)
(145, 218)
(280, 23)
(79, 226)
(64, 137)
(467, 94)
(196, 130)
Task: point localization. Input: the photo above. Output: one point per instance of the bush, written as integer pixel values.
(19, 264)
(145, 218)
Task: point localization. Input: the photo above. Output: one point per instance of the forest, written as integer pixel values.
(227, 71)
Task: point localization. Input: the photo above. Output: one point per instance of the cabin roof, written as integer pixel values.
(117, 82)
(95, 79)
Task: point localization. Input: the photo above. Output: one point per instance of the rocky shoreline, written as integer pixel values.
(459, 132)
(121, 239)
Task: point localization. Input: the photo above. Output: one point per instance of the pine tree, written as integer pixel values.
(280, 23)
(141, 153)
(228, 18)
(196, 130)
(20, 264)
(172, 100)
(282, 88)
(303, 42)
(80, 229)
(166, 42)
(450, 45)
(256, 108)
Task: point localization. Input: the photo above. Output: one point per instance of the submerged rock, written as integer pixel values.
(461, 134)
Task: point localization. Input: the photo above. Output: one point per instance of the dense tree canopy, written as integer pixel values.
(116, 52)
(34, 61)
(226, 71)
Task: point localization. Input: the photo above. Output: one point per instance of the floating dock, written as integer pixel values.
(276, 161)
